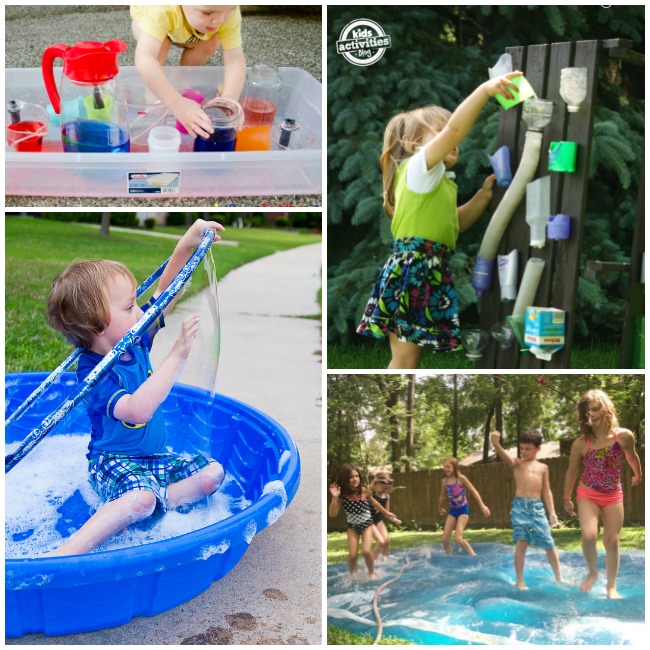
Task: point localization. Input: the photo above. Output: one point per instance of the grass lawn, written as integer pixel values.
(372, 354)
(37, 250)
(566, 539)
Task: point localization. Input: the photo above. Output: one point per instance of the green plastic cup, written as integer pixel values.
(518, 326)
(525, 92)
(99, 114)
(562, 157)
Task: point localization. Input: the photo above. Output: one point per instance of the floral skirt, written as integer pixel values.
(415, 297)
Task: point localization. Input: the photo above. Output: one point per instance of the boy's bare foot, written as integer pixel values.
(588, 582)
(612, 593)
(373, 576)
(520, 584)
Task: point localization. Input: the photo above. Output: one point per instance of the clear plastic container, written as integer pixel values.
(242, 173)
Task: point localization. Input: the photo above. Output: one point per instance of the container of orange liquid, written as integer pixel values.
(25, 126)
(260, 103)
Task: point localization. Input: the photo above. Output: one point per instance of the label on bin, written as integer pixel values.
(153, 182)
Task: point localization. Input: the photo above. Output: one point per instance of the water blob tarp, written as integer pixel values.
(458, 599)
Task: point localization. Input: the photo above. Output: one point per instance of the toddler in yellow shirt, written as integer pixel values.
(199, 30)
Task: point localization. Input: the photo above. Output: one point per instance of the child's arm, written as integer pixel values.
(183, 251)
(365, 493)
(335, 503)
(463, 118)
(234, 63)
(441, 499)
(626, 440)
(469, 212)
(547, 495)
(186, 111)
(474, 492)
(139, 407)
(577, 452)
(495, 437)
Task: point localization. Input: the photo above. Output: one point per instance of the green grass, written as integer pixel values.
(37, 250)
(376, 354)
(339, 636)
(566, 539)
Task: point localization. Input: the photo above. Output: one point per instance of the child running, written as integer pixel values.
(92, 303)
(600, 450)
(529, 523)
(414, 302)
(380, 488)
(455, 486)
(349, 491)
(199, 30)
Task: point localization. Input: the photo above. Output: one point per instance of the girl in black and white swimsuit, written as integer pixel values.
(349, 491)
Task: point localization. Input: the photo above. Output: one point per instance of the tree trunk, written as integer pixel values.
(454, 420)
(410, 407)
(390, 387)
(106, 222)
(486, 435)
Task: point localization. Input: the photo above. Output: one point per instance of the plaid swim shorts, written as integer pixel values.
(529, 523)
(113, 475)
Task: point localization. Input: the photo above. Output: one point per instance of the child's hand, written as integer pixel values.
(502, 85)
(636, 479)
(568, 507)
(189, 330)
(442, 511)
(335, 490)
(495, 438)
(488, 187)
(395, 520)
(192, 238)
(554, 521)
(486, 511)
(192, 117)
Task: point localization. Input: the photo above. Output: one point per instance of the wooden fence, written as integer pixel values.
(415, 499)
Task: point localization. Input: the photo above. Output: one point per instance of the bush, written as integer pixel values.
(176, 219)
(150, 223)
(282, 222)
(299, 220)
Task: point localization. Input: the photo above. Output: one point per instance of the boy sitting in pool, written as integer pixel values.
(529, 523)
(199, 30)
(92, 303)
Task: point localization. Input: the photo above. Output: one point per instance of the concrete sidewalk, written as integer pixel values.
(270, 359)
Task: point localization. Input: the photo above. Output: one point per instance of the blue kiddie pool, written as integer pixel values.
(70, 594)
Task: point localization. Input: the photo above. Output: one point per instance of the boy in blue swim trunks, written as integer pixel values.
(529, 523)
(92, 303)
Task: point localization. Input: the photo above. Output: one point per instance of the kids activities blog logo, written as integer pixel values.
(362, 42)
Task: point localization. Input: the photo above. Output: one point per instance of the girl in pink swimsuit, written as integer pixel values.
(600, 450)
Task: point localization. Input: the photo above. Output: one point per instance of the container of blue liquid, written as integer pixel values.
(226, 118)
(93, 136)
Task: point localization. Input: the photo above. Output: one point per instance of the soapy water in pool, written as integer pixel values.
(456, 600)
(49, 497)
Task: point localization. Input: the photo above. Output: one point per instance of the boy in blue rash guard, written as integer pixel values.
(92, 303)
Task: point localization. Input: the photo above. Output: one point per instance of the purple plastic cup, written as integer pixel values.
(194, 95)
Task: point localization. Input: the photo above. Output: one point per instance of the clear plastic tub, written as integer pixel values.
(183, 174)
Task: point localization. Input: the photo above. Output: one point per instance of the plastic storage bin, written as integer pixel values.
(62, 595)
(183, 174)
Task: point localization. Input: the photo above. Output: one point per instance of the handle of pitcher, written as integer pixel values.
(47, 66)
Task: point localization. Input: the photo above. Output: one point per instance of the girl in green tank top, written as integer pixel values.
(414, 301)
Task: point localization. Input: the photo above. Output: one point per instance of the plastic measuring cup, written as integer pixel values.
(25, 126)
(164, 139)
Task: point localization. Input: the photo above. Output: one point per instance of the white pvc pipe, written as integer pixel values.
(513, 196)
(529, 284)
